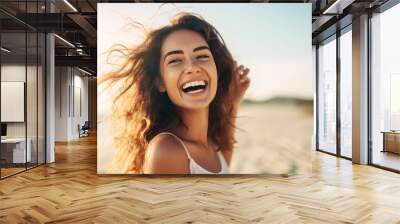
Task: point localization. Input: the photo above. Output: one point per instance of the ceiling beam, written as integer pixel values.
(84, 24)
(337, 6)
(82, 61)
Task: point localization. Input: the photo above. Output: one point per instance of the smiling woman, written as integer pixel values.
(189, 75)
(177, 100)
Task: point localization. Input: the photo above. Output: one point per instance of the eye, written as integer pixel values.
(175, 61)
(203, 57)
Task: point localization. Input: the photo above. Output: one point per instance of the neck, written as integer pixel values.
(196, 122)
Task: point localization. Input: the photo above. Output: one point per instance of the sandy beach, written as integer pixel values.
(274, 138)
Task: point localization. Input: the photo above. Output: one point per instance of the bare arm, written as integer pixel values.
(240, 83)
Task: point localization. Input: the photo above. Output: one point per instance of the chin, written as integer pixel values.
(196, 106)
(192, 104)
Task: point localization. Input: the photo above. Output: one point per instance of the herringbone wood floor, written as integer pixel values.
(70, 191)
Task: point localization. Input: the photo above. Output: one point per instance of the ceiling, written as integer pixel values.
(75, 21)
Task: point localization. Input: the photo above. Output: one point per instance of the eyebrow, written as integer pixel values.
(181, 52)
(201, 48)
(172, 52)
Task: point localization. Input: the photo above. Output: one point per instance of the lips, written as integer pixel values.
(194, 86)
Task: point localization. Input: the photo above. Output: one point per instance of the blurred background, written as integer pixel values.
(275, 124)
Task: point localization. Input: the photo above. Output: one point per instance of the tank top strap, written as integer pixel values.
(180, 140)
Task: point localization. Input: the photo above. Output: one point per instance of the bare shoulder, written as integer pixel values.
(165, 155)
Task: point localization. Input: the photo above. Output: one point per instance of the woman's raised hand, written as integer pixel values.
(240, 82)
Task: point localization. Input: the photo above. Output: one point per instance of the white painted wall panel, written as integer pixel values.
(12, 101)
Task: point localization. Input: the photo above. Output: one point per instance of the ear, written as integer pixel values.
(161, 86)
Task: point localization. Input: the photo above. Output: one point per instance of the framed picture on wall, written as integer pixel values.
(204, 88)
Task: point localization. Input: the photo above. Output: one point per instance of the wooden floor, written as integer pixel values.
(70, 191)
(387, 159)
(10, 171)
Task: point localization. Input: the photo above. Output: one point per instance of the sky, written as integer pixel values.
(272, 40)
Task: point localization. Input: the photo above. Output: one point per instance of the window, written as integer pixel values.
(385, 88)
(327, 96)
(22, 76)
(346, 93)
(395, 102)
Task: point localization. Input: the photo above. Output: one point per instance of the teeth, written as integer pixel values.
(194, 83)
(196, 91)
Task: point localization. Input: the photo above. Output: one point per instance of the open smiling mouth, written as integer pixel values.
(194, 86)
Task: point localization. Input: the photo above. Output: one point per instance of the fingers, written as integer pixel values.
(240, 70)
(242, 73)
(245, 80)
(246, 71)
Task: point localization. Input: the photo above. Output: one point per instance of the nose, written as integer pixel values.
(192, 67)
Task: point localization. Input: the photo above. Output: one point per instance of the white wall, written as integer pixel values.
(70, 83)
(81, 84)
(62, 81)
(12, 73)
(12, 100)
(33, 126)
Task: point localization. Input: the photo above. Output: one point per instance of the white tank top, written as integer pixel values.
(195, 168)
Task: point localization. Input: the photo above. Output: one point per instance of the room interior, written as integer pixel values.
(49, 91)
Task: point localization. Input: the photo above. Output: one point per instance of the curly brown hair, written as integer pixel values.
(140, 112)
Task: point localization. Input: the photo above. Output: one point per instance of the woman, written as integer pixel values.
(175, 111)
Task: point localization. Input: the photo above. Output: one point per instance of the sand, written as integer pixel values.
(276, 139)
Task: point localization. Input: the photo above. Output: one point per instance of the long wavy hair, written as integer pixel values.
(140, 111)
